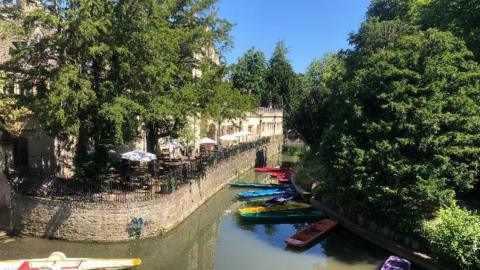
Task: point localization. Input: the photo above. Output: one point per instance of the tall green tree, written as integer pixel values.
(161, 43)
(404, 134)
(309, 103)
(249, 74)
(390, 9)
(281, 78)
(101, 71)
(219, 98)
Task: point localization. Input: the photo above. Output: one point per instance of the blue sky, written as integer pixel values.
(310, 28)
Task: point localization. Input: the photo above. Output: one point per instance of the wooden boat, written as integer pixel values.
(311, 234)
(263, 192)
(272, 169)
(258, 209)
(278, 200)
(269, 201)
(256, 185)
(58, 260)
(283, 216)
(396, 263)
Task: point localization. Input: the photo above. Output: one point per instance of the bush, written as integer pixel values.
(454, 238)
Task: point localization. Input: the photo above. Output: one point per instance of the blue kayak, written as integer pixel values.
(263, 192)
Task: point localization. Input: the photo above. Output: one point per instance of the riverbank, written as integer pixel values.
(111, 222)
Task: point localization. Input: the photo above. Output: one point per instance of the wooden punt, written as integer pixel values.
(58, 260)
(311, 234)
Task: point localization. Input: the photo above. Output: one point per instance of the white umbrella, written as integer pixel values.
(207, 140)
(139, 155)
(228, 137)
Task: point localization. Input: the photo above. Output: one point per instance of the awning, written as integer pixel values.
(207, 140)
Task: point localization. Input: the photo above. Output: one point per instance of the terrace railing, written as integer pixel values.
(120, 188)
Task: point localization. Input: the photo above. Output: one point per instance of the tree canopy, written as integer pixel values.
(281, 78)
(102, 71)
(249, 74)
(309, 101)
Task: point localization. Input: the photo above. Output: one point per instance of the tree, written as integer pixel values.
(101, 71)
(249, 74)
(12, 115)
(403, 135)
(281, 78)
(308, 104)
(162, 44)
(390, 9)
(461, 17)
(219, 98)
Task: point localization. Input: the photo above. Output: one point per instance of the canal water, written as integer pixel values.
(213, 237)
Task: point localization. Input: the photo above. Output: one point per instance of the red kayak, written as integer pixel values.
(273, 169)
(312, 233)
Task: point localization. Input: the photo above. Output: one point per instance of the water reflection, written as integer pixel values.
(213, 238)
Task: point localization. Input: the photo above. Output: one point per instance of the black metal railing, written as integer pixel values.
(146, 185)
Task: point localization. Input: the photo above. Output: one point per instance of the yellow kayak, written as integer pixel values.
(283, 207)
(58, 260)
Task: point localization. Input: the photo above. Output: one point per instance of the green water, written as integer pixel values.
(214, 238)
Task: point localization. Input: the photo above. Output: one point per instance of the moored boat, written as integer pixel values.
(263, 192)
(283, 216)
(258, 209)
(281, 199)
(396, 263)
(269, 201)
(58, 260)
(311, 234)
(256, 185)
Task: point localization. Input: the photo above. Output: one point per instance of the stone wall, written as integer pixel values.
(5, 202)
(108, 222)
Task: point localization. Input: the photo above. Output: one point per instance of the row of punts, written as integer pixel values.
(279, 203)
(282, 208)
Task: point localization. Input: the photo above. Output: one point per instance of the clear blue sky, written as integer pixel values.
(310, 28)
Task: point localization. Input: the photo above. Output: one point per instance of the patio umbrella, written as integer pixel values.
(228, 137)
(207, 140)
(139, 155)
